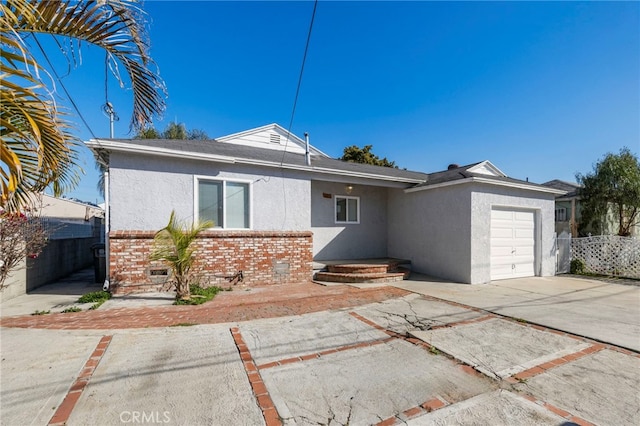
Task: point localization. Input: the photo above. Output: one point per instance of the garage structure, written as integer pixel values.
(473, 224)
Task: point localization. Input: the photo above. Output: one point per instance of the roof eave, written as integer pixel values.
(96, 144)
(475, 179)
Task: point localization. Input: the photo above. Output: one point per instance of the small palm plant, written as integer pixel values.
(173, 244)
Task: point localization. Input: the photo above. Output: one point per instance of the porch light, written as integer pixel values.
(348, 189)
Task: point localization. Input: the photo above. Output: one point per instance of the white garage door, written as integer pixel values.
(512, 244)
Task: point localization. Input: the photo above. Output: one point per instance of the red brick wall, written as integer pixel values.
(264, 257)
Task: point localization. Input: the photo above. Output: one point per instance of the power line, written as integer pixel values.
(64, 87)
(295, 99)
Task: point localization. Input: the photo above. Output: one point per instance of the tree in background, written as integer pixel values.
(355, 154)
(613, 186)
(38, 148)
(172, 131)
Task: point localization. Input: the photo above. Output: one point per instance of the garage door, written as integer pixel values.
(512, 244)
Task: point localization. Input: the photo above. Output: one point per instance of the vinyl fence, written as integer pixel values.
(608, 255)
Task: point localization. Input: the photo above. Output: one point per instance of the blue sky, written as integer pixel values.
(542, 90)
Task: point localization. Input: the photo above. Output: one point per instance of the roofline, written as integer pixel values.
(80, 203)
(164, 152)
(474, 179)
(487, 163)
(265, 127)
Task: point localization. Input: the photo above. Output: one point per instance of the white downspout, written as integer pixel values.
(107, 227)
(307, 154)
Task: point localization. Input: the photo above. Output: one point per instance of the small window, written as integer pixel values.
(561, 214)
(225, 203)
(347, 209)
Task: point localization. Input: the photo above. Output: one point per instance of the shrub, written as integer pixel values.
(577, 267)
(199, 295)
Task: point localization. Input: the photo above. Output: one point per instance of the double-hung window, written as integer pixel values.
(224, 202)
(347, 209)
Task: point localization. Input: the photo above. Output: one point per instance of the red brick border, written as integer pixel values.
(269, 412)
(61, 416)
(324, 353)
(539, 369)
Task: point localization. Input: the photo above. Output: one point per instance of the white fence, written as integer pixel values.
(608, 255)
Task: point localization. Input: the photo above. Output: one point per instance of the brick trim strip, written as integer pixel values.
(525, 323)
(539, 369)
(426, 407)
(269, 412)
(560, 412)
(61, 416)
(323, 353)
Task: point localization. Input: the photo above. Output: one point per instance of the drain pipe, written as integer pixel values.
(307, 154)
(107, 226)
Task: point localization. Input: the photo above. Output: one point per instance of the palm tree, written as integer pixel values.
(38, 148)
(173, 244)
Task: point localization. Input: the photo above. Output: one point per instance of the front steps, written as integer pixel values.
(372, 271)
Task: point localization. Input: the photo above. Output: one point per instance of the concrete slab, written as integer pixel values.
(140, 300)
(499, 407)
(279, 338)
(601, 388)
(37, 369)
(53, 297)
(366, 385)
(413, 312)
(600, 310)
(183, 375)
(500, 348)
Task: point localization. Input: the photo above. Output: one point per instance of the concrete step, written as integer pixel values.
(358, 268)
(383, 277)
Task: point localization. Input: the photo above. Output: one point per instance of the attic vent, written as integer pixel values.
(273, 138)
(453, 166)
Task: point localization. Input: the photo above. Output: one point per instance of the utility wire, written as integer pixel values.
(295, 99)
(293, 113)
(63, 87)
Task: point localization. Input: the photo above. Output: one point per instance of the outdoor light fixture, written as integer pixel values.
(348, 189)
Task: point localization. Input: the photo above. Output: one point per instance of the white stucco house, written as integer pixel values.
(277, 208)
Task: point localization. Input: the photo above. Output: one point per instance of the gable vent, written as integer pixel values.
(273, 138)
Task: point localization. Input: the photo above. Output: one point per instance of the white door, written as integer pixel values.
(512, 244)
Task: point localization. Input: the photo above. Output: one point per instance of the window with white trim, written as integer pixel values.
(561, 214)
(226, 203)
(347, 209)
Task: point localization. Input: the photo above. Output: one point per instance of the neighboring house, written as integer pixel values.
(276, 209)
(67, 209)
(568, 209)
(72, 228)
(567, 214)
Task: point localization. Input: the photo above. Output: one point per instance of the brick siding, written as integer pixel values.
(264, 257)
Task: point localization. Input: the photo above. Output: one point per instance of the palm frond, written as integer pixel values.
(117, 26)
(37, 147)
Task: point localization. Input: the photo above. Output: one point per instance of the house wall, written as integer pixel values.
(367, 239)
(144, 190)
(68, 209)
(432, 229)
(483, 199)
(264, 257)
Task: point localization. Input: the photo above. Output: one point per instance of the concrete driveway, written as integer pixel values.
(410, 360)
(600, 310)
